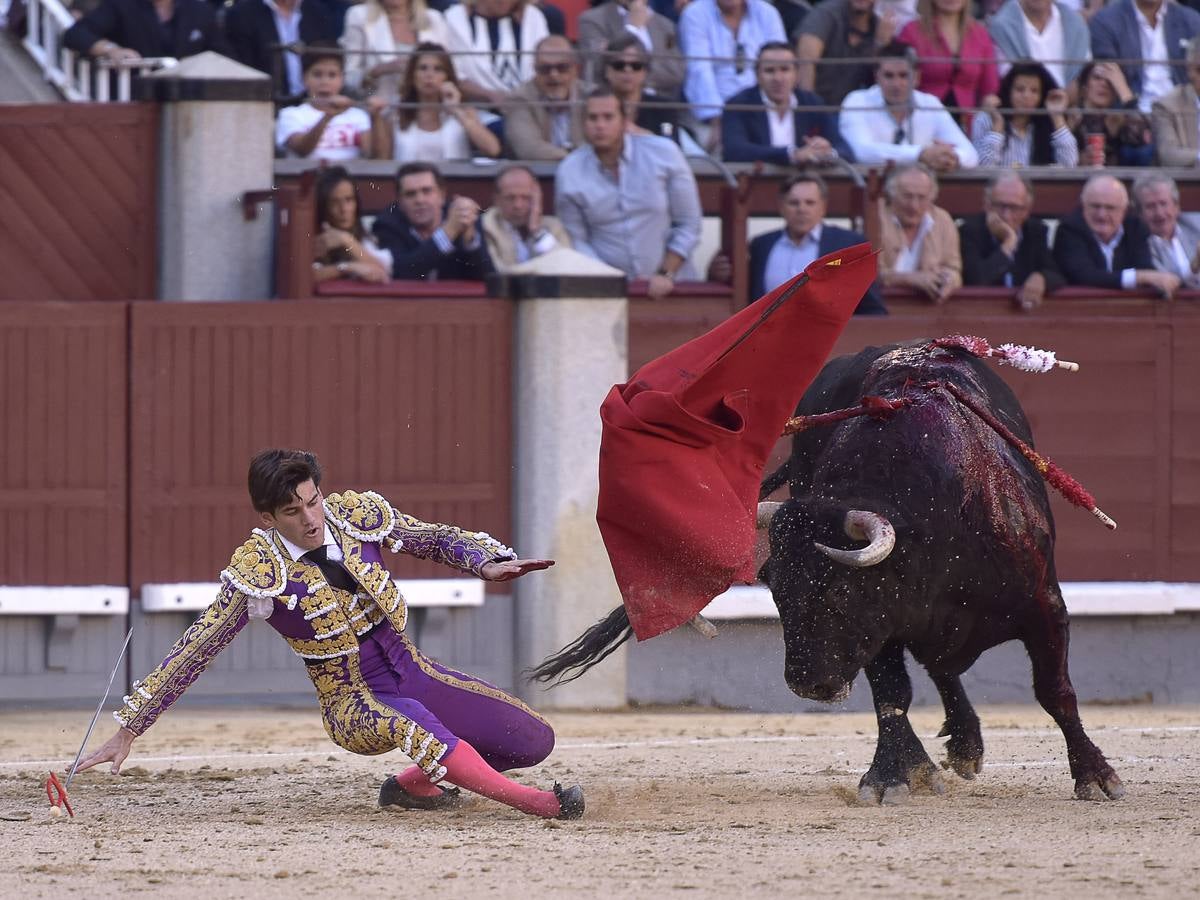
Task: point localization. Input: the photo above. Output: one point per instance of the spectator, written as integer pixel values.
(958, 60)
(841, 29)
(778, 255)
(428, 237)
(545, 121)
(127, 30)
(442, 127)
(255, 26)
(1103, 245)
(601, 25)
(341, 248)
(1153, 32)
(1052, 33)
(892, 122)
(515, 228)
(1005, 246)
(919, 243)
(499, 37)
(1035, 133)
(626, 66)
(328, 125)
(629, 199)
(1175, 118)
(787, 130)
(1174, 236)
(719, 39)
(1110, 130)
(378, 36)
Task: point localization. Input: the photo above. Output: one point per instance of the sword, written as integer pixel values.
(96, 714)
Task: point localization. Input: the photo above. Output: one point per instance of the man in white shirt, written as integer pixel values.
(1149, 39)
(1044, 30)
(893, 122)
(1174, 236)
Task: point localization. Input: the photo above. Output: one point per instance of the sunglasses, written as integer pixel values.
(561, 68)
(626, 65)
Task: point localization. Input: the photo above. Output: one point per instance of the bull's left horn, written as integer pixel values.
(766, 510)
(864, 526)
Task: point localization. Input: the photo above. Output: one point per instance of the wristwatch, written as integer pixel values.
(670, 276)
(343, 268)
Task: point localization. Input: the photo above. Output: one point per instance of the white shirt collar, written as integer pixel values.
(813, 237)
(1051, 21)
(335, 553)
(1116, 239)
(770, 104)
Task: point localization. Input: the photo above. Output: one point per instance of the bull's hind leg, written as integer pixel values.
(901, 764)
(1047, 644)
(964, 750)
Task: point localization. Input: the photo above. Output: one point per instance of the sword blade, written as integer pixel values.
(99, 706)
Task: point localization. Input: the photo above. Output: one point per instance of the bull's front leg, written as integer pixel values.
(901, 764)
(1047, 644)
(964, 750)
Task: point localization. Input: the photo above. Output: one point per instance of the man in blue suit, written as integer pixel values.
(789, 127)
(778, 255)
(1119, 31)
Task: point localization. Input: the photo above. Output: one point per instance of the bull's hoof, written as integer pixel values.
(875, 790)
(964, 750)
(1099, 788)
(879, 795)
(966, 767)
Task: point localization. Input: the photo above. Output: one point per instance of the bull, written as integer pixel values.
(919, 529)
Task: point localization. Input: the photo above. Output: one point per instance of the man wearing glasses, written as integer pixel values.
(893, 122)
(1004, 246)
(546, 122)
(602, 24)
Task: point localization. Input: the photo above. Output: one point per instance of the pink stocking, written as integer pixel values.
(466, 768)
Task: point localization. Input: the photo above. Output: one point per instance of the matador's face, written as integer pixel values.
(302, 519)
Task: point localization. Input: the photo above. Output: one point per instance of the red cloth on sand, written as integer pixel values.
(685, 441)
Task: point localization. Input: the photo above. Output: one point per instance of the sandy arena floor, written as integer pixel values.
(258, 803)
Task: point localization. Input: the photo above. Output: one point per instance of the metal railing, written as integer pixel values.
(78, 78)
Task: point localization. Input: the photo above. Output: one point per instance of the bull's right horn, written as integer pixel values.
(863, 525)
(766, 511)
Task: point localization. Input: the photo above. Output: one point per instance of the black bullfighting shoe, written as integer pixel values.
(570, 801)
(391, 794)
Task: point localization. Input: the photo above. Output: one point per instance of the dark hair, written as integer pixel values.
(329, 179)
(1041, 151)
(275, 474)
(408, 88)
(774, 45)
(896, 50)
(599, 93)
(416, 168)
(1084, 74)
(318, 51)
(805, 178)
(623, 42)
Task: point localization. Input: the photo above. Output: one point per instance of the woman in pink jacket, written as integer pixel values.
(955, 55)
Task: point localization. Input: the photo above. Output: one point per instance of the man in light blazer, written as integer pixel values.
(602, 24)
(1174, 235)
(546, 120)
(778, 255)
(919, 245)
(1175, 119)
(1117, 34)
(514, 228)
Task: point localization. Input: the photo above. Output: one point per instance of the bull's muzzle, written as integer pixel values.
(823, 692)
(863, 525)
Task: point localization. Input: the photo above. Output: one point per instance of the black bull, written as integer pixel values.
(959, 557)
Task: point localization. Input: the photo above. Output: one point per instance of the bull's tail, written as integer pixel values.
(774, 481)
(589, 649)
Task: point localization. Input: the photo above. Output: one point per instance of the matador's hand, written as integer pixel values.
(114, 750)
(512, 568)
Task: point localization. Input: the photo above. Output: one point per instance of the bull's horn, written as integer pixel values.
(702, 625)
(766, 510)
(864, 526)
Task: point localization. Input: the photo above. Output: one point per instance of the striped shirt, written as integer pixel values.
(1014, 153)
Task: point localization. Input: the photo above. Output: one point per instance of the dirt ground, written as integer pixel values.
(258, 803)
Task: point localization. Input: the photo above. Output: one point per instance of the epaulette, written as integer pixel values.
(257, 568)
(365, 516)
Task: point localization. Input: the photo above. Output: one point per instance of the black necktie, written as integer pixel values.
(335, 573)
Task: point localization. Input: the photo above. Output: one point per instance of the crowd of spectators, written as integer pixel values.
(924, 87)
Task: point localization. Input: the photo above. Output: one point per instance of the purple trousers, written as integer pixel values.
(452, 705)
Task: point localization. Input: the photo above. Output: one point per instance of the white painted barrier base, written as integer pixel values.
(194, 596)
(73, 600)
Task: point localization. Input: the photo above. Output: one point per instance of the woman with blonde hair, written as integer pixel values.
(433, 124)
(956, 58)
(378, 36)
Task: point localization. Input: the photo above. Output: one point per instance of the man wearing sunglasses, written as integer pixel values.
(602, 24)
(546, 122)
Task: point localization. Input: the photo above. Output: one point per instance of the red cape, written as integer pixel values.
(685, 441)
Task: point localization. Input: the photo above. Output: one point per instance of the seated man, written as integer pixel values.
(778, 255)
(1103, 245)
(255, 27)
(128, 30)
(602, 24)
(785, 131)
(1176, 117)
(629, 200)
(919, 243)
(841, 30)
(1174, 236)
(1052, 33)
(427, 237)
(893, 122)
(1148, 38)
(545, 121)
(514, 228)
(1005, 246)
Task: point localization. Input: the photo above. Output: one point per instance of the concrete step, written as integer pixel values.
(20, 78)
